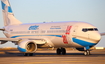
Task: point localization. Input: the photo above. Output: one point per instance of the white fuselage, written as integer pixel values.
(57, 34)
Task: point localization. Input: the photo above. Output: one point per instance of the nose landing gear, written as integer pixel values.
(87, 52)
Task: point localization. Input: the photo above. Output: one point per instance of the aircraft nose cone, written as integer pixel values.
(98, 37)
(95, 36)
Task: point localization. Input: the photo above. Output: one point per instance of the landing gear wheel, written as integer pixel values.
(28, 54)
(87, 52)
(25, 54)
(58, 51)
(63, 51)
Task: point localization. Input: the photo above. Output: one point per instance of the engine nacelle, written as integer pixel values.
(28, 46)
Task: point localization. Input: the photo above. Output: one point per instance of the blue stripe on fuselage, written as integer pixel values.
(36, 35)
(83, 43)
(78, 41)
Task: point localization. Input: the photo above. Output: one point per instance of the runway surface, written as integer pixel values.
(50, 57)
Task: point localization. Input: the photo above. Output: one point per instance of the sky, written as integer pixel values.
(34, 11)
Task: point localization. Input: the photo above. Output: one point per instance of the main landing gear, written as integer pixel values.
(86, 52)
(61, 51)
(28, 54)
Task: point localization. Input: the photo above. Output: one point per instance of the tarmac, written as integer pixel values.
(47, 56)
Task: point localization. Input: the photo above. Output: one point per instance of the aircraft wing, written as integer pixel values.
(9, 39)
(16, 40)
(102, 34)
(4, 40)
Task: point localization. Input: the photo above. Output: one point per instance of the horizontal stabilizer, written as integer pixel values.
(2, 29)
(102, 34)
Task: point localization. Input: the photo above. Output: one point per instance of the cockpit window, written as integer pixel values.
(89, 29)
(84, 30)
(95, 29)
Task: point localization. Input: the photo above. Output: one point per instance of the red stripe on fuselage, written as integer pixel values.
(67, 33)
(64, 39)
(68, 29)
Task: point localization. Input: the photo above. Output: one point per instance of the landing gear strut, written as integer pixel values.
(28, 54)
(87, 52)
(61, 51)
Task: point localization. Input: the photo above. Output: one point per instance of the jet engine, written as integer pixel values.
(27, 46)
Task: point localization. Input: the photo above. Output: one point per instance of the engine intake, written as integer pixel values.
(28, 46)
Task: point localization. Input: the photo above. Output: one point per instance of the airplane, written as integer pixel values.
(28, 37)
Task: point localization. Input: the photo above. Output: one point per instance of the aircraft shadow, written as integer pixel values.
(15, 54)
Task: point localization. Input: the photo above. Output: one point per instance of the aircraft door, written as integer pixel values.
(75, 31)
(79, 33)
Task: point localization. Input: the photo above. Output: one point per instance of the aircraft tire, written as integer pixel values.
(63, 51)
(25, 54)
(87, 52)
(58, 51)
(30, 54)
